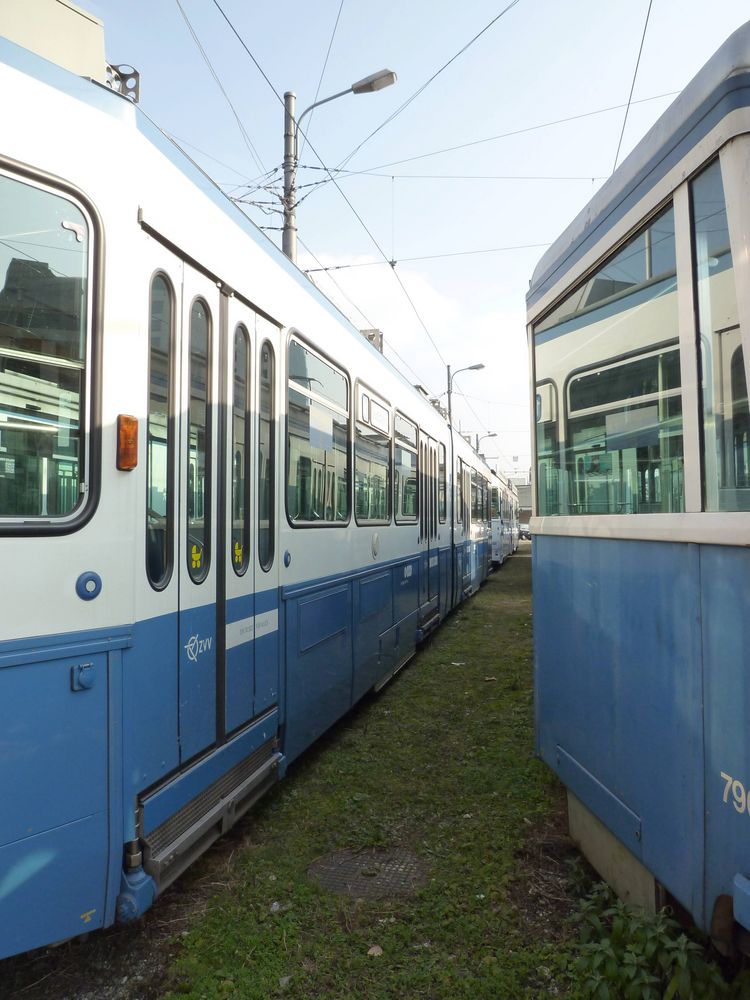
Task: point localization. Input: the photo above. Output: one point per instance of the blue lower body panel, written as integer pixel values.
(619, 687)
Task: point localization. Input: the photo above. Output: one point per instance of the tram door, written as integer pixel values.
(198, 554)
(428, 523)
(250, 628)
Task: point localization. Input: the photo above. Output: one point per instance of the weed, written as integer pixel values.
(629, 954)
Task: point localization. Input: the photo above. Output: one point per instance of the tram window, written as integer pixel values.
(405, 467)
(372, 475)
(199, 444)
(159, 441)
(611, 350)
(240, 538)
(317, 440)
(405, 484)
(266, 463)
(442, 484)
(44, 321)
(723, 384)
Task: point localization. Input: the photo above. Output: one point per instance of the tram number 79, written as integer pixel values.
(740, 797)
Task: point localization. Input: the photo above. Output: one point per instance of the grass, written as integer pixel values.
(440, 763)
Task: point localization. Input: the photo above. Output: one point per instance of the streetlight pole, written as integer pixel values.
(368, 85)
(469, 368)
(492, 434)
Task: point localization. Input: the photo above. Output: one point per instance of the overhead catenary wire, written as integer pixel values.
(632, 85)
(322, 74)
(427, 82)
(336, 185)
(518, 131)
(434, 256)
(243, 131)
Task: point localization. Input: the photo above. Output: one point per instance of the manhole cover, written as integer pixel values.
(371, 871)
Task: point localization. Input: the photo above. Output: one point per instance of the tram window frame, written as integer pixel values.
(266, 470)
(241, 536)
(331, 409)
(637, 475)
(161, 581)
(199, 561)
(86, 461)
(719, 346)
(372, 426)
(405, 442)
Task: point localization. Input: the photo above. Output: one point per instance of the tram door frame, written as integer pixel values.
(200, 612)
(429, 588)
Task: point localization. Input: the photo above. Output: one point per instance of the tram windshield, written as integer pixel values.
(43, 324)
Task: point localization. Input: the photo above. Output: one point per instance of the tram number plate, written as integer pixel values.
(740, 797)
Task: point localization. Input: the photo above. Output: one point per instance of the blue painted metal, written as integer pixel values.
(725, 636)
(54, 837)
(319, 663)
(137, 893)
(240, 667)
(88, 586)
(149, 706)
(615, 815)
(373, 616)
(619, 687)
(197, 680)
(268, 652)
(169, 799)
(741, 900)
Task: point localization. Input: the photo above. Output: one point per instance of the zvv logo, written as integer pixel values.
(195, 646)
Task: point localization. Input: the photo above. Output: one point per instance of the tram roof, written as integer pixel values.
(721, 86)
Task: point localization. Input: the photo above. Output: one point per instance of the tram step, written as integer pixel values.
(170, 848)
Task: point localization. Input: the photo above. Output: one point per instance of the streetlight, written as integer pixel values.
(469, 368)
(492, 434)
(376, 81)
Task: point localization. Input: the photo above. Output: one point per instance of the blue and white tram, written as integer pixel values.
(223, 516)
(638, 317)
(504, 519)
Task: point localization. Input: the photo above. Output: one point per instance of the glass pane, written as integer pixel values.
(44, 246)
(266, 418)
(405, 484)
(240, 540)
(312, 373)
(372, 478)
(405, 430)
(609, 353)
(723, 384)
(318, 467)
(158, 457)
(199, 437)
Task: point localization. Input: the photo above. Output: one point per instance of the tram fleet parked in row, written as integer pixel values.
(224, 517)
(638, 317)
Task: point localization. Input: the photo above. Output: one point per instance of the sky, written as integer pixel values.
(503, 140)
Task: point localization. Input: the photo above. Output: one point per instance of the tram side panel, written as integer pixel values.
(725, 634)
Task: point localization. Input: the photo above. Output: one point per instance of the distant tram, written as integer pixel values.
(638, 317)
(224, 517)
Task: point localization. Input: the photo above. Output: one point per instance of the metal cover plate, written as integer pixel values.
(372, 872)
